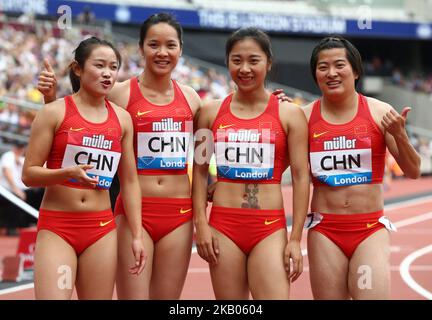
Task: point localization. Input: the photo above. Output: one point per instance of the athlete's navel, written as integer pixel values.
(346, 204)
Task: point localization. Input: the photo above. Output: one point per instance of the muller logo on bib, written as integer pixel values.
(101, 151)
(342, 160)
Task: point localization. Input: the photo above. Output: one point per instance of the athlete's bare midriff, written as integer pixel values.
(346, 200)
(165, 186)
(252, 196)
(62, 198)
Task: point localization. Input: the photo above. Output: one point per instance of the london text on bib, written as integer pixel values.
(162, 143)
(245, 154)
(101, 151)
(342, 160)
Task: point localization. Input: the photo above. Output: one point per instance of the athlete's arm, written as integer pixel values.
(298, 154)
(393, 125)
(41, 138)
(129, 186)
(207, 245)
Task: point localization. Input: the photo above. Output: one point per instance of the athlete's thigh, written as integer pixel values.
(170, 263)
(97, 269)
(266, 271)
(229, 275)
(369, 269)
(328, 268)
(130, 286)
(54, 267)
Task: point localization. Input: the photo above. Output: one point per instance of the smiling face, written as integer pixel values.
(334, 73)
(161, 49)
(100, 71)
(248, 64)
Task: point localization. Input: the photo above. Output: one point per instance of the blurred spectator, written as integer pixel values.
(12, 217)
(86, 16)
(10, 115)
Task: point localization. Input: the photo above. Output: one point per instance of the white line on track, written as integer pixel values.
(17, 288)
(405, 271)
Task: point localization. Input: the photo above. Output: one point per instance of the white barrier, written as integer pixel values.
(20, 203)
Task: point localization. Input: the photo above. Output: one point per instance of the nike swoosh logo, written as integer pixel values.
(185, 211)
(317, 135)
(266, 222)
(221, 126)
(370, 225)
(76, 129)
(103, 224)
(139, 113)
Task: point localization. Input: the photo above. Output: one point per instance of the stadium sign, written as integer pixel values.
(26, 6)
(271, 22)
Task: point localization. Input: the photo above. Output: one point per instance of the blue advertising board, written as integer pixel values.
(228, 20)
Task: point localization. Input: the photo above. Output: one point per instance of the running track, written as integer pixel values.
(411, 249)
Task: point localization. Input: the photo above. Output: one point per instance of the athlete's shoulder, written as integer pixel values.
(211, 106)
(55, 108)
(208, 112)
(120, 112)
(375, 104)
(289, 109)
(121, 85)
(120, 93)
(52, 113)
(191, 96)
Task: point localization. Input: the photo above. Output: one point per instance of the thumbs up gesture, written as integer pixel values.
(394, 123)
(47, 82)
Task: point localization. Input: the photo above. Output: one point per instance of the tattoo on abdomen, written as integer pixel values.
(250, 197)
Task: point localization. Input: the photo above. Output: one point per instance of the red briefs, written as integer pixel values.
(347, 231)
(160, 216)
(79, 229)
(246, 227)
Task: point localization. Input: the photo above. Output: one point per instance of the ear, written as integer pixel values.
(76, 68)
(181, 51)
(269, 65)
(141, 50)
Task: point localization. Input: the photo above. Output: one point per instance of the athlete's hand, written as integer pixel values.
(47, 82)
(281, 95)
(394, 123)
(294, 257)
(79, 174)
(207, 244)
(139, 254)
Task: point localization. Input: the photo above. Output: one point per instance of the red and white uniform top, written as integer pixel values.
(163, 133)
(78, 141)
(250, 150)
(346, 154)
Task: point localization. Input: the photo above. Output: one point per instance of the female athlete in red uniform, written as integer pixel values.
(348, 244)
(255, 138)
(83, 139)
